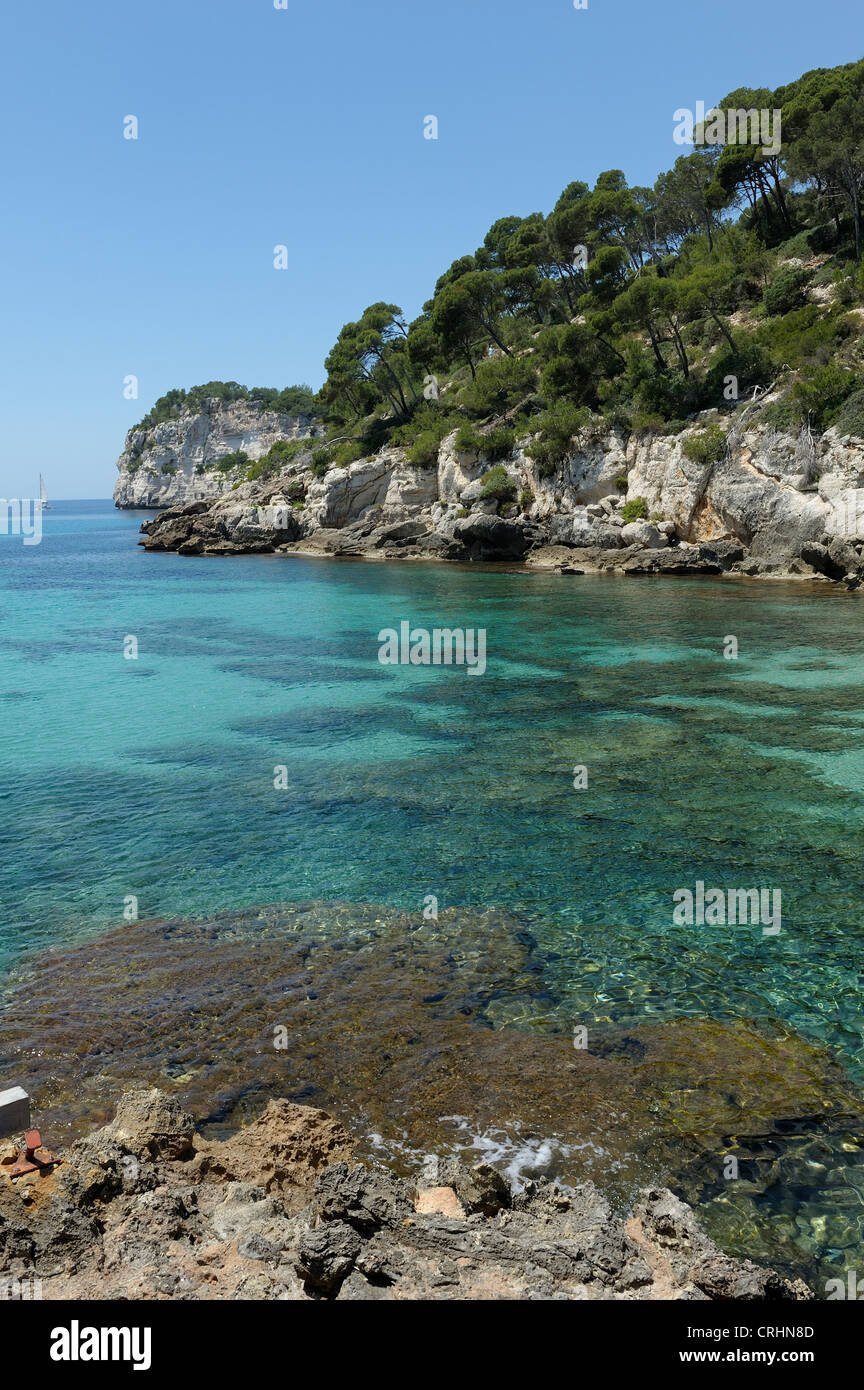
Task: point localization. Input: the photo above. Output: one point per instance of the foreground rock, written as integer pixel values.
(145, 1209)
(441, 1036)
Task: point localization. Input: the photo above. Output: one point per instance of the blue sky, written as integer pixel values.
(304, 127)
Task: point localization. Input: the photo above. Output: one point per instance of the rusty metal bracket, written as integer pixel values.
(34, 1157)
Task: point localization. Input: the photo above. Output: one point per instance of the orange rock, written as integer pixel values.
(440, 1201)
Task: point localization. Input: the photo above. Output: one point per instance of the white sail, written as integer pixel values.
(42, 493)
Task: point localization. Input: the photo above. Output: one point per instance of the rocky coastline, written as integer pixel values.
(439, 1038)
(145, 1208)
(774, 505)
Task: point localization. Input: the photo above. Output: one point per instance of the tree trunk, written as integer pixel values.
(856, 208)
(681, 350)
(491, 331)
(723, 329)
(657, 353)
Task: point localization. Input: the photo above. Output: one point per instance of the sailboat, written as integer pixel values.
(43, 494)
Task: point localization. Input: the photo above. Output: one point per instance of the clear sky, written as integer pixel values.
(303, 126)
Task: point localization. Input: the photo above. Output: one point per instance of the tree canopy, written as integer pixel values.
(628, 301)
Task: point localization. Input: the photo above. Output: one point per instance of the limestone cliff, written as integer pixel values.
(772, 502)
(175, 462)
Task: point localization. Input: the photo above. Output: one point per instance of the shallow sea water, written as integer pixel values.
(155, 778)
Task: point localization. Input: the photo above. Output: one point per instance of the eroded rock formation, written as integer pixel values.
(173, 463)
(145, 1209)
(775, 503)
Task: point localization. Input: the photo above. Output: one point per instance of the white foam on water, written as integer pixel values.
(519, 1157)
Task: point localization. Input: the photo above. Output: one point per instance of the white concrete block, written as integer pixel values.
(14, 1111)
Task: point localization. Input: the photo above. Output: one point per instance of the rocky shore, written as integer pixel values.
(145, 1208)
(445, 1038)
(774, 504)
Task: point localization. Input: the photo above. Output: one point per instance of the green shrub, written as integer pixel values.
(796, 248)
(229, 462)
(169, 469)
(845, 288)
(750, 364)
(424, 450)
(526, 499)
(707, 446)
(644, 421)
(501, 382)
(787, 291)
(635, 510)
(818, 396)
(621, 482)
(649, 396)
(850, 418)
(294, 400)
(277, 458)
(421, 435)
(498, 443)
(347, 453)
(468, 440)
(336, 456)
(497, 483)
(822, 238)
(807, 334)
(557, 429)
(495, 444)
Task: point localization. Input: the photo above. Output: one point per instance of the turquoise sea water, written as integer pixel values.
(155, 777)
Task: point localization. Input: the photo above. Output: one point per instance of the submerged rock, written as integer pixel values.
(418, 1036)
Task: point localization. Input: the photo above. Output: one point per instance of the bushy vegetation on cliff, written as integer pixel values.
(737, 268)
(292, 400)
(632, 307)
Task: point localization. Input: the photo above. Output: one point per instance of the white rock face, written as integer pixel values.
(661, 473)
(772, 491)
(591, 475)
(644, 534)
(471, 493)
(411, 486)
(455, 470)
(343, 493)
(190, 446)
